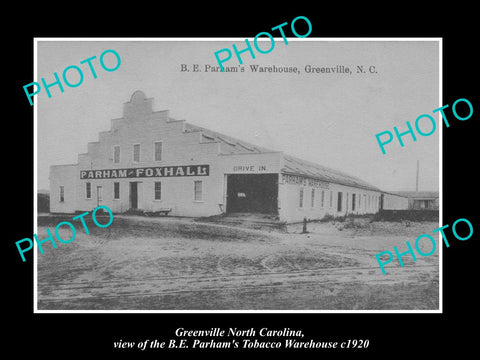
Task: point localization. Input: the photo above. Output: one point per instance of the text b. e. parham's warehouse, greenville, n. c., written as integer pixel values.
(149, 162)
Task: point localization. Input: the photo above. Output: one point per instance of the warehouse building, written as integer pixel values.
(393, 201)
(149, 162)
(421, 200)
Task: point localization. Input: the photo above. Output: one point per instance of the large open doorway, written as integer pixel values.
(253, 193)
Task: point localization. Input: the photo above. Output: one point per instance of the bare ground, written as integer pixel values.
(177, 264)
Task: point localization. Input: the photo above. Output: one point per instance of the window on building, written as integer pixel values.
(116, 154)
(359, 201)
(301, 198)
(158, 190)
(339, 201)
(312, 202)
(198, 190)
(364, 201)
(322, 199)
(158, 151)
(353, 202)
(136, 152)
(62, 194)
(116, 190)
(88, 190)
(331, 199)
(99, 193)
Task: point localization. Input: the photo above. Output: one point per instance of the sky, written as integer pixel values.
(327, 118)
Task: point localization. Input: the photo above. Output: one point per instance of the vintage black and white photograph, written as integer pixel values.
(296, 180)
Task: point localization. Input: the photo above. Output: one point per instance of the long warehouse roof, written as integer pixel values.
(293, 165)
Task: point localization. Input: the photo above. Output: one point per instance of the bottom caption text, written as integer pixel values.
(240, 339)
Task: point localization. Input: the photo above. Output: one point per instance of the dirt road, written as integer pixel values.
(176, 264)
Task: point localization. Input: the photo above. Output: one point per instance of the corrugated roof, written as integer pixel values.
(293, 165)
(298, 166)
(228, 145)
(419, 194)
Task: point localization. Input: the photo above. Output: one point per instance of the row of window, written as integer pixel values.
(136, 152)
(157, 191)
(355, 201)
(312, 198)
